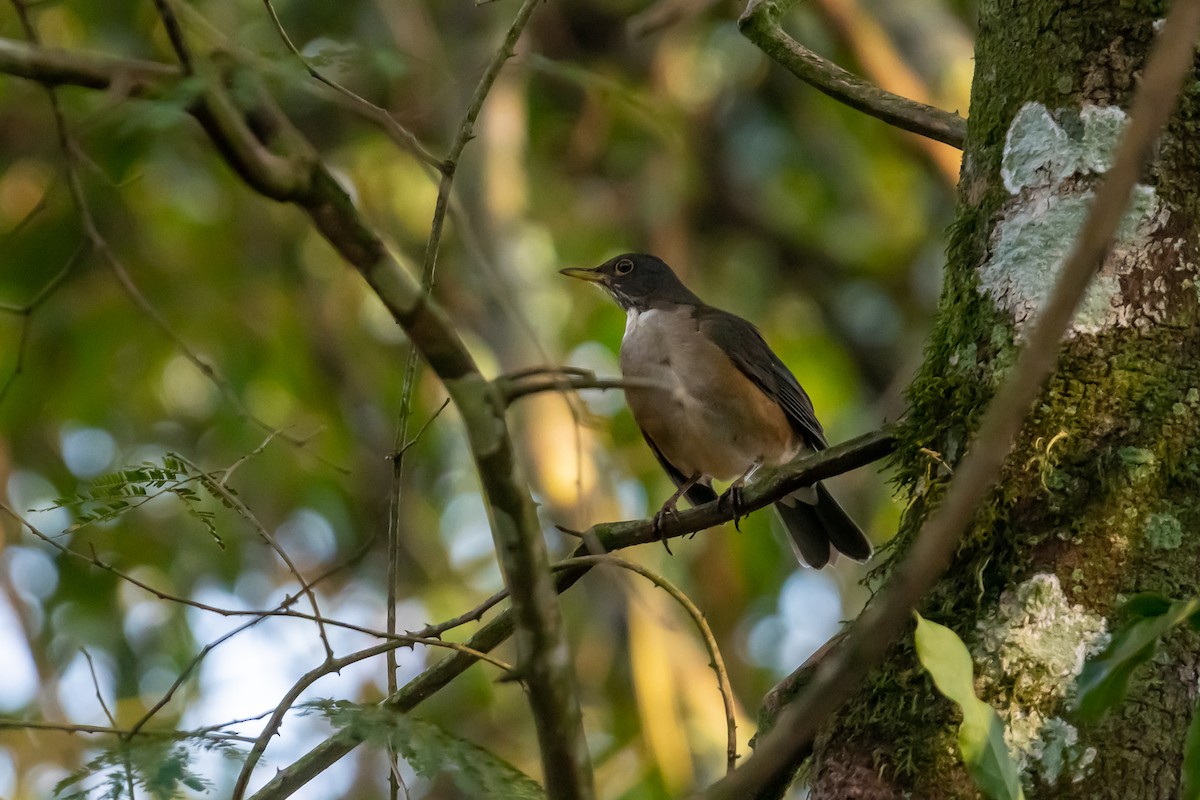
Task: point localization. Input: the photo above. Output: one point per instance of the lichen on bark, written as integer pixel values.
(1101, 496)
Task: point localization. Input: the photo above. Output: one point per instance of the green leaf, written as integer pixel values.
(158, 769)
(431, 750)
(981, 735)
(1146, 604)
(1104, 680)
(1191, 758)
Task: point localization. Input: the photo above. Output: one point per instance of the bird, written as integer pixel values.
(714, 402)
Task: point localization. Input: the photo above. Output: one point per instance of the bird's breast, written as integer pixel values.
(703, 413)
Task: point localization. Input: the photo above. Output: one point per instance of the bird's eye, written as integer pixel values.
(624, 266)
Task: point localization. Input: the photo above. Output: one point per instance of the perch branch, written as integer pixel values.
(284, 166)
(767, 488)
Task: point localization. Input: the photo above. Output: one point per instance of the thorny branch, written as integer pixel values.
(282, 165)
(290, 171)
(769, 487)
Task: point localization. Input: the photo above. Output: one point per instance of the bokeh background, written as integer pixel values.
(619, 125)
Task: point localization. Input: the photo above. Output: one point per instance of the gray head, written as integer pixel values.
(637, 281)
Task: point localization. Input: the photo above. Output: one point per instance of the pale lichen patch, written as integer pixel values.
(1037, 151)
(1050, 743)
(1030, 650)
(1163, 531)
(1049, 169)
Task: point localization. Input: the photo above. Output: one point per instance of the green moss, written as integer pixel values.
(1163, 531)
(1104, 441)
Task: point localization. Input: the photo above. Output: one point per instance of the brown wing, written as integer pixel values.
(746, 347)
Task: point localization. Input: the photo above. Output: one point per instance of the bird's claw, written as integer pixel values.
(656, 524)
(733, 496)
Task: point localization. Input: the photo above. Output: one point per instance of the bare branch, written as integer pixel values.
(522, 383)
(770, 487)
(888, 614)
(396, 132)
(26, 313)
(760, 23)
(63, 727)
(54, 67)
(710, 641)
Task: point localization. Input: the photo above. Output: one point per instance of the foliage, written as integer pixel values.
(150, 765)
(431, 750)
(981, 734)
(110, 496)
(1105, 678)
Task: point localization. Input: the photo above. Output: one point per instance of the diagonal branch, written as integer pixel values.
(769, 487)
(282, 165)
(888, 614)
(760, 23)
(54, 67)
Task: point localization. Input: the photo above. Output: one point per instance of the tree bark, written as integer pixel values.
(1099, 499)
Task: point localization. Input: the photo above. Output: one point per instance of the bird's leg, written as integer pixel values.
(734, 494)
(670, 507)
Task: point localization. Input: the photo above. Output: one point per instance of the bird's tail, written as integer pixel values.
(819, 528)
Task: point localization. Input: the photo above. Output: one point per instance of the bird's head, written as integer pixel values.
(637, 281)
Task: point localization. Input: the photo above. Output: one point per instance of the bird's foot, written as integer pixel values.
(733, 498)
(670, 508)
(656, 525)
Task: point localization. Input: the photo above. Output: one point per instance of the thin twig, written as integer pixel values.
(710, 641)
(96, 686)
(393, 531)
(398, 132)
(280, 610)
(474, 615)
(613, 536)
(888, 614)
(760, 23)
(235, 502)
(312, 676)
(550, 379)
(64, 727)
(126, 763)
(26, 313)
(174, 34)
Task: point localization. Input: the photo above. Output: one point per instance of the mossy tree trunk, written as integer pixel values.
(1101, 497)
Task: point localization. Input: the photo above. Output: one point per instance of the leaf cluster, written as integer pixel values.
(145, 766)
(114, 494)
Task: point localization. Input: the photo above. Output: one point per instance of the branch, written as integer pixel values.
(329, 667)
(64, 727)
(515, 385)
(768, 487)
(397, 132)
(710, 641)
(888, 614)
(760, 23)
(53, 67)
(274, 159)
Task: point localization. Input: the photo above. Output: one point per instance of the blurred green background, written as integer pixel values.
(619, 125)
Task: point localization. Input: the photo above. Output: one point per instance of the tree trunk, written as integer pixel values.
(1100, 498)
